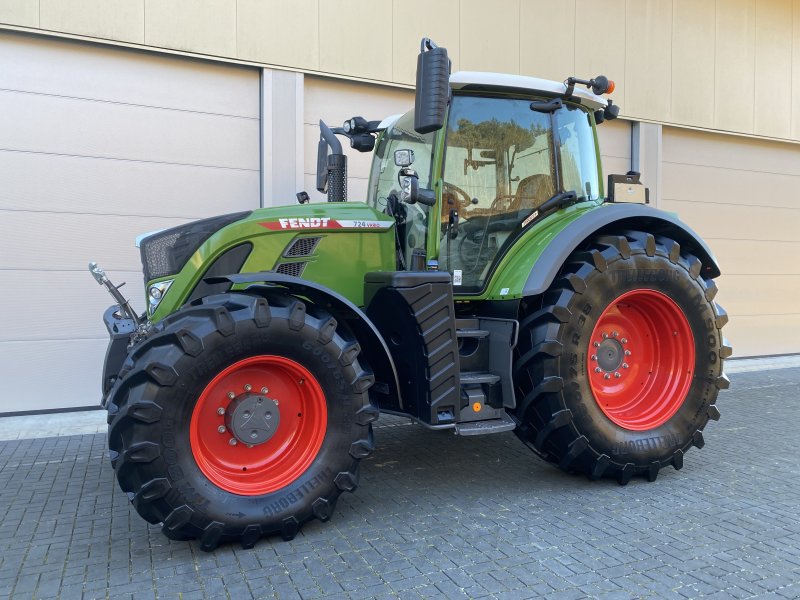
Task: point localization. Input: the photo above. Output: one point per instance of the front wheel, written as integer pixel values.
(619, 364)
(244, 416)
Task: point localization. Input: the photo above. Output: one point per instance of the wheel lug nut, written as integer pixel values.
(596, 344)
(275, 401)
(247, 387)
(627, 352)
(617, 375)
(221, 428)
(624, 340)
(249, 445)
(605, 336)
(606, 376)
(594, 356)
(615, 334)
(597, 369)
(220, 411)
(232, 441)
(624, 365)
(265, 390)
(231, 395)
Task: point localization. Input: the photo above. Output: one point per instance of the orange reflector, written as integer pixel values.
(476, 407)
(611, 86)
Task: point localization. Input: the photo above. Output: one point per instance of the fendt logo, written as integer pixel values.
(301, 222)
(323, 223)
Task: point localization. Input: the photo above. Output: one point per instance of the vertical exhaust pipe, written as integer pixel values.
(331, 168)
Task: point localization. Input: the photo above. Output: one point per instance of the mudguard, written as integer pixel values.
(373, 347)
(616, 218)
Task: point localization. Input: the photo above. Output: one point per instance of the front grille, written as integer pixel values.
(166, 252)
(301, 247)
(295, 269)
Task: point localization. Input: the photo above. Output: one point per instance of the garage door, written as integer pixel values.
(741, 195)
(97, 145)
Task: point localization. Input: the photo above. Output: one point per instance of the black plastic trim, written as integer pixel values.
(230, 261)
(620, 216)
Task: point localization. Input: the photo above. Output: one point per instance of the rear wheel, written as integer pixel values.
(244, 416)
(619, 364)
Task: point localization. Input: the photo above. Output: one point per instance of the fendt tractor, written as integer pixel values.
(490, 283)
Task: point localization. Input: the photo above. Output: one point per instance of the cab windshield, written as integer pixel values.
(383, 180)
(502, 161)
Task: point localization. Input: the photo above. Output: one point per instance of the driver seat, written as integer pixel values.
(533, 191)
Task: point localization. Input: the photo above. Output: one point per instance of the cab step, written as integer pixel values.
(472, 333)
(478, 377)
(504, 423)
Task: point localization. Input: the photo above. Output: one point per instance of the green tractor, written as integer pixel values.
(489, 283)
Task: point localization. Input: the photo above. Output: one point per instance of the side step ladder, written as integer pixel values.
(504, 423)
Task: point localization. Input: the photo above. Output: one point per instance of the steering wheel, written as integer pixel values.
(463, 197)
(474, 250)
(503, 203)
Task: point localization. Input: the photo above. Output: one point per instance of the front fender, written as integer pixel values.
(386, 391)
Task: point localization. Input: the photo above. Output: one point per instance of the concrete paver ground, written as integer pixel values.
(437, 515)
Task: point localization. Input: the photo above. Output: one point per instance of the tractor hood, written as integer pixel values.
(331, 243)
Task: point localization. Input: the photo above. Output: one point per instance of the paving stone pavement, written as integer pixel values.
(441, 516)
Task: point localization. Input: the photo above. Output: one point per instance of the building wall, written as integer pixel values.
(731, 65)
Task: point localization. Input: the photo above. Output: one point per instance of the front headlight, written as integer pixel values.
(155, 293)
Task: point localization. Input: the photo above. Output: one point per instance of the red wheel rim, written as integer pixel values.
(297, 404)
(641, 360)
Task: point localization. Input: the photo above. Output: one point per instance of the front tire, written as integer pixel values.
(244, 416)
(619, 364)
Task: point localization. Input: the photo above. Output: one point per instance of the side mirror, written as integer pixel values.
(411, 193)
(433, 87)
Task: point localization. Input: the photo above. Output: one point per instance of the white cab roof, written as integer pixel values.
(462, 79)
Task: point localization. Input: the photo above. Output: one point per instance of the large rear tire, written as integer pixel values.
(242, 417)
(619, 364)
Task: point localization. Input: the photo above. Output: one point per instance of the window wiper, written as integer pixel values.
(547, 106)
(558, 201)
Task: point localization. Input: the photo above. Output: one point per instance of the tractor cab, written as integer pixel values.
(511, 150)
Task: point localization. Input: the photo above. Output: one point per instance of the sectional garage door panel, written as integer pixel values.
(49, 375)
(142, 79)
(77, 127)
(740, 195)
(71, 184)
(99, 145)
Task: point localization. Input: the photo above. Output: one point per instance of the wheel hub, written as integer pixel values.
(609, 355)
(252, 418)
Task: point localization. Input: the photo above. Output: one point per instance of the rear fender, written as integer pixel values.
(374, 352)
(614, 218)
